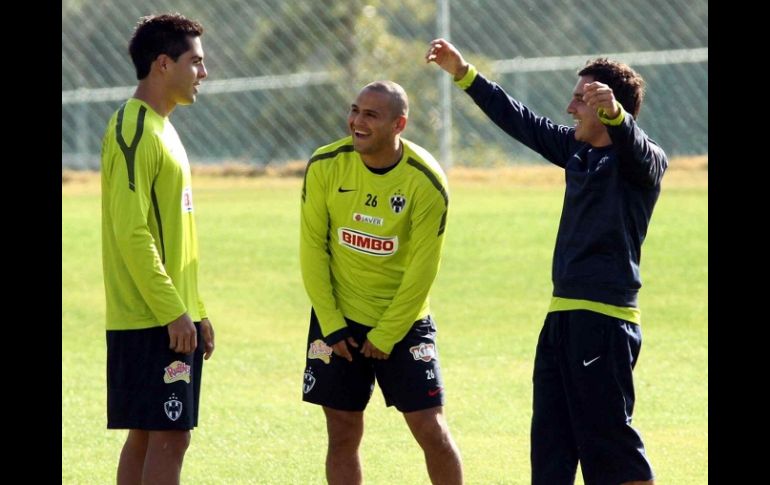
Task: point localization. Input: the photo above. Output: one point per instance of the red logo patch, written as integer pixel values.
(367, 243)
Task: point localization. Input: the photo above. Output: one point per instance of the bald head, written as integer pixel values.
(397, 100)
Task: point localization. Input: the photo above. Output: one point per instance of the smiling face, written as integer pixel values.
(588, 128)
(373, 124)
(184, 75)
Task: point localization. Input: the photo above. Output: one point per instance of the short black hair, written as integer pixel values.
(399, 102)
(154, 35)
(626, 84)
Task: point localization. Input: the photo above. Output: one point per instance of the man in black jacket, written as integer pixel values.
(583, 396)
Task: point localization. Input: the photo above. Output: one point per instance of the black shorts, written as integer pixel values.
(410, 378)
(149, 386)
(583, 400)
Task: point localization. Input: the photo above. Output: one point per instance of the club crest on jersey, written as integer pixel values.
(377, 221)
(187, 205)
(424, 352)
(397, 202)
(367, 243)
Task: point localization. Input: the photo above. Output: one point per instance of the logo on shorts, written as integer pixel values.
(319, 350)
(176, 371)
(173, 408)
(424, 352)
(367, 243)
(308, 381)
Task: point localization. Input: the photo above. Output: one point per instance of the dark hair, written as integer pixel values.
(626, 84)
(161, 34)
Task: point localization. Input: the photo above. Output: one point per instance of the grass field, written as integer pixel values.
(489, 301)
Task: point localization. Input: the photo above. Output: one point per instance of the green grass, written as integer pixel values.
(489, 301)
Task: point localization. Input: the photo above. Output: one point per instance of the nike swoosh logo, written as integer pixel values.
(345, 190)
(586, 364)
(433, 392)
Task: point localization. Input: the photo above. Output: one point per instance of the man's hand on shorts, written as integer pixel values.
(207, 332)
(183, 337)
(341, 348)
(369, 350)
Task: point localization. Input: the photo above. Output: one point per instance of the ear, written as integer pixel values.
(401, 123)
(163, 62)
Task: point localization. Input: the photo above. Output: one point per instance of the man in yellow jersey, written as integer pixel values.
(374, 212)
(157, 327)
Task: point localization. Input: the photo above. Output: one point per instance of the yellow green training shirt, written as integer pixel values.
(149, 243)
(370, 244)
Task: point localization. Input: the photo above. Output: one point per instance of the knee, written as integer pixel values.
(345, 431)
(180, 441)
(342, 438)
(438, 438)
(136, 441)
(432, 433)
(173, 443)
(341, 442)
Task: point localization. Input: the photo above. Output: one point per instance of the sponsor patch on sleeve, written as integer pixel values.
(187, 204)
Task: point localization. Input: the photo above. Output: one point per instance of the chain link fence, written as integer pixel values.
(282, 73)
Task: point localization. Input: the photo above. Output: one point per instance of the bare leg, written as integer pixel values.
(345, 429)
(442, 456)
(132, 455)
(165, 453)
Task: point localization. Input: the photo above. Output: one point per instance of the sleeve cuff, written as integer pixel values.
(337, 335)
(611, 121)
(466, 81)
(374, 338)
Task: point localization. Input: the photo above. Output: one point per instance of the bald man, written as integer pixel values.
(373, 219)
